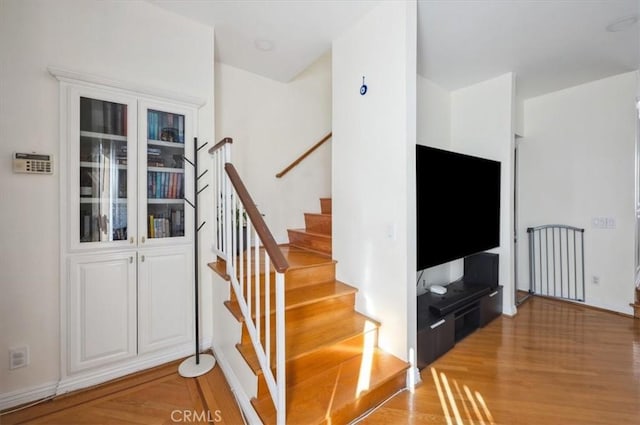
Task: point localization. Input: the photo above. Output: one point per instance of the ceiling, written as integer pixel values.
(549, 45)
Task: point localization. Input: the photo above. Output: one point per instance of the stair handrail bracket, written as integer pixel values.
(249, 250)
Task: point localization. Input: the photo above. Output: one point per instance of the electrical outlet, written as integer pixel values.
(595, 280)
(603, 223)
(18, 357)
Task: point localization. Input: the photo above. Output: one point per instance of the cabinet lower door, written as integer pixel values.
(165, 298)
(101, 309)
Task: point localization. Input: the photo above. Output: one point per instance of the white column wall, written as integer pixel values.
(374, 168)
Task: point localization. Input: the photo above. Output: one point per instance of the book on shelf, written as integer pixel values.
(151, 227)
(159, 227)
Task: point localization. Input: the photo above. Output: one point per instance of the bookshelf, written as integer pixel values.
(127, 267)
(165, 175)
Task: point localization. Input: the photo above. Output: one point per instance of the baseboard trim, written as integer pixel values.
(413, 377)
(91, 378)
(27, 395)
(243, 400)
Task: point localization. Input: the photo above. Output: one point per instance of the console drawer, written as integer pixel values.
(491, 306)
(435, 339)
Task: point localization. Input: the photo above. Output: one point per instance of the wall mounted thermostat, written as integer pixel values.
(32, 163)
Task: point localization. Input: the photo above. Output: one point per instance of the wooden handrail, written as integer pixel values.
(220, 144)
(304, 155)
(275, 254)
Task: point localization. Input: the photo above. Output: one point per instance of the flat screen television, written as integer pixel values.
(458, 205)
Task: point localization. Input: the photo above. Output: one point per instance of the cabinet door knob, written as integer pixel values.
(132, 239)
(142, 258)
(131, 260)
(142, 239)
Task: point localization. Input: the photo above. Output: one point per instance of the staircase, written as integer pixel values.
(334, 370)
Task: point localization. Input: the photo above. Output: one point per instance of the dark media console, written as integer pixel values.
(470, 303)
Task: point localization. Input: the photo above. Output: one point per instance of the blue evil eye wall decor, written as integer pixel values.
(363, 87)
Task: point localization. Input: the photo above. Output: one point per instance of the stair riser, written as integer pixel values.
(316, 223)
(325, 205)
(305, 367)
(298, 278)
(329, 308)
(368, 400)
(308, 276)
(317, 243)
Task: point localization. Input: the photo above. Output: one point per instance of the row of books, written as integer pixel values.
(103, 117)
(100, 228)
(165, 126)
(162, 185)
(163, 227)
(154, 158)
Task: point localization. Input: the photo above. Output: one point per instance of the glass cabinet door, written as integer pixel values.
(166, 172)
(103, 171)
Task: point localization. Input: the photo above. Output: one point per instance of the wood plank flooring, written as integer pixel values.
(157, 396)
(554, 363)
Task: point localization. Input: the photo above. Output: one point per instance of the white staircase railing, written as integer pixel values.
(247, 246)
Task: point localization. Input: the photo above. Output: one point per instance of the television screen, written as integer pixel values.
(458, 205)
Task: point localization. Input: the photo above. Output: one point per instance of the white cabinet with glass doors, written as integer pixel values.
(127, 171)
(127, 263)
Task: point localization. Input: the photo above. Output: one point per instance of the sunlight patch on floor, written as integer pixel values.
(479, 412)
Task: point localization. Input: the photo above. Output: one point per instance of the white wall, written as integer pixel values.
(475, 120)
(272, 124)
(374, 168)
(433, 114)
(433, 129)
(577, 162)
(133, 42)
(482, 124)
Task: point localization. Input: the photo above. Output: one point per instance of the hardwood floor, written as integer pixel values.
(553, 363)
(157, 396)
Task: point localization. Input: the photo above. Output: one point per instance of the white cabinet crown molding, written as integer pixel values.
(74, 77)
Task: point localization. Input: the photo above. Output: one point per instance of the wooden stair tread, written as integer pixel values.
(296, 257)
(297, 297)
(305, 232)
(317, 399)
(306, 336)
(300, 257)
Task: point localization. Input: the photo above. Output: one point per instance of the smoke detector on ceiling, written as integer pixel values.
(264, 45)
